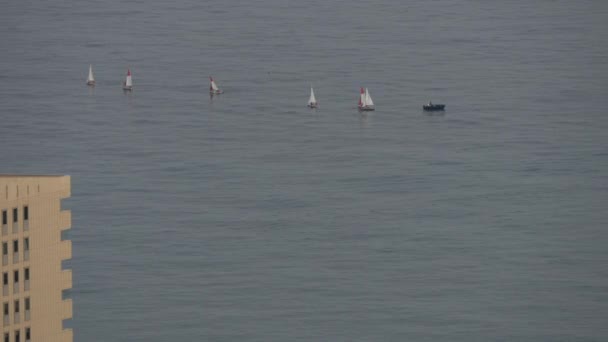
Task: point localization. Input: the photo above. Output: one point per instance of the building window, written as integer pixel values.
(6, 317)
(16, 320)
(15, 251)
(26, 249)
(26, 277)
(4, 222)
(17, 336)
(5, 253)
(27, 309)
(15, 220)
(16, 282)
(7, 337)
(5, 284)
(26, 217)
(27, 304)
(28, 334)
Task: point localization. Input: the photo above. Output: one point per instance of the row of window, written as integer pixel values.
(27, 331)
(15, 225)
(26, 215)
(16, 311)
(16, 284)
(26, 251)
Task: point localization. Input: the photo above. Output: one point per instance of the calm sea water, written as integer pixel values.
(249, 217)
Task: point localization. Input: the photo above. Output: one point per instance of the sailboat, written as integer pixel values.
(365, 101)
(127, 85)
(312, 101)
(90, 79)
(213, 89)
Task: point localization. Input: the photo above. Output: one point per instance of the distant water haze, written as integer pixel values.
(250, 217)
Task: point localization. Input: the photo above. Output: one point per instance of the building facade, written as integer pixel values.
(33, 308)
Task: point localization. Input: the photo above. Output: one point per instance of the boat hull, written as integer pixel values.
(90, 83)
(313, 105)
(367, 109)
(216, 92)
(433, 108)
(127, 88)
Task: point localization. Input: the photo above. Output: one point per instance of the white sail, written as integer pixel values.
(362, 100)
(312, 100)
(90, 79)
(129, 81)
(368, 99)
(213, 86)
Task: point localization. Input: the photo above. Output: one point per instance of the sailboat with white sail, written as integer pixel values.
(90, 78)
(365, 101)
(312, 101)
(127, 85)
(213, 88)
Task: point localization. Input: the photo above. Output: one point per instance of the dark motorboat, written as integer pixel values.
(433, 107)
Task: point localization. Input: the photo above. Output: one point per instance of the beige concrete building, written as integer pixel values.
(32, 250)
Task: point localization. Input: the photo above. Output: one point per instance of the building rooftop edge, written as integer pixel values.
(26, 176)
